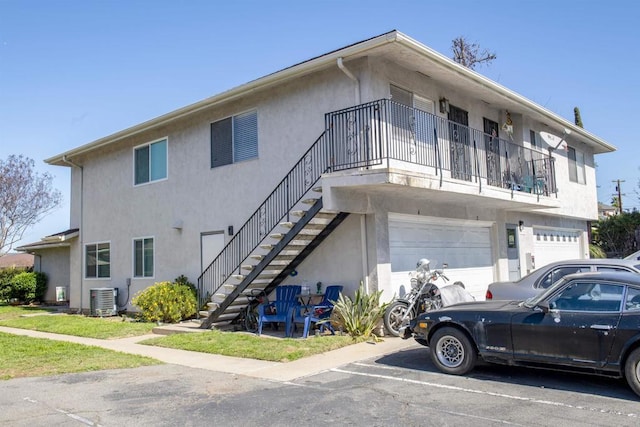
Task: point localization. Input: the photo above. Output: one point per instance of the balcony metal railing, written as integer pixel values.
(371, 134)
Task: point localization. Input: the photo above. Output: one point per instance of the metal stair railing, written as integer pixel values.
(366, 136)
(276, 208)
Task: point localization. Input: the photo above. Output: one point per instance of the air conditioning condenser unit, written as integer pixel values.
(103, 301)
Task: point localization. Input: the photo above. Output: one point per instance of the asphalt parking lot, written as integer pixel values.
(402, 388)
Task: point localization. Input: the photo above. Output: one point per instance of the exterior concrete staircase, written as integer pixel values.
(280, 234)
(275, 258)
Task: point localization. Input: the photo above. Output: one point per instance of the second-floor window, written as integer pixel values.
(143, 257)
(150, 162)
(234, 139)
(534, 139)
(576, 166)
(97, 261)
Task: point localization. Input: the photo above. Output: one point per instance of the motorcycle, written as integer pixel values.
(424, 296)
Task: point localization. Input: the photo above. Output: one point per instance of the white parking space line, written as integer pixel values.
(68, 414)
(489, 393)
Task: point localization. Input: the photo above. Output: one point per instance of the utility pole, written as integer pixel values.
(619, 193)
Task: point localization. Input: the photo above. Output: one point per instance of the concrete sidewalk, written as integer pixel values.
(275, 371)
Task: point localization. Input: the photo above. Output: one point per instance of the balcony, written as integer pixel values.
(385, 134)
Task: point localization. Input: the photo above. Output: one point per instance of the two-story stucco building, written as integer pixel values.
(348, 167)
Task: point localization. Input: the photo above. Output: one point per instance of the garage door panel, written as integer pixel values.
(456, 246)
(465, 249)
(552, 245)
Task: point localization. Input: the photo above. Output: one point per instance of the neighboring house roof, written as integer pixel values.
(16, 260)
(606, 210)
(55, 240)
(394, 46)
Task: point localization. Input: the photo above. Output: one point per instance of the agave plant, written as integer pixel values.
(359, 316)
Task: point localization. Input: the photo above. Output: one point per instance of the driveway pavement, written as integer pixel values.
(276, 371)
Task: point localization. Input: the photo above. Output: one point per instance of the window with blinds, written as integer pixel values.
(234, 139)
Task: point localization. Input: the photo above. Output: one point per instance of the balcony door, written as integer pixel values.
(412, 120)
(492, 148)
(460, 146)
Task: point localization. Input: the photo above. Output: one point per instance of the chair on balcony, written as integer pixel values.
(533, 184)
(280, 309)
(319, 313)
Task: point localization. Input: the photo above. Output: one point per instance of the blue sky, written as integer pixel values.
(73, 71)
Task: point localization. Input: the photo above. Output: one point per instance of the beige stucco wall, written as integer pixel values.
(54, 262)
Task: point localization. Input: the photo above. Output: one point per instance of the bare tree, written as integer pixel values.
(469, 54)
(25, 198)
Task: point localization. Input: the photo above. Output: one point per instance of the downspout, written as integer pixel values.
(363, 228)
(365, 252)
(81, 232)
(352, 77)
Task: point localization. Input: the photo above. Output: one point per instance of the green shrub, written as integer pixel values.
(6, 279)
(183, 280)
(23, 287)
(166, 302)
(596, 251)
(358, 317)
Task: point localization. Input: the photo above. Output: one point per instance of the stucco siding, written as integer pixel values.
(54, 263)
(195, 198)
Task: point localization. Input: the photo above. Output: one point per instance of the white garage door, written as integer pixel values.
(465, 246)
(551, 245)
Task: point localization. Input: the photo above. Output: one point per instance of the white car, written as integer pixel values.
(634, 256)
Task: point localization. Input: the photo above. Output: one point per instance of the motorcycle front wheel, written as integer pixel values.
(393, 317)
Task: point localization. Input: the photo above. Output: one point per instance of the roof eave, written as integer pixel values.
(261, 83)
(43, 245)
(482, 80)
(321, 62)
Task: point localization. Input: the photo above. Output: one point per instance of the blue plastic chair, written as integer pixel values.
(316, 313)
(280, 309)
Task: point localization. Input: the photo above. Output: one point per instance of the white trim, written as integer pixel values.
(433, 220)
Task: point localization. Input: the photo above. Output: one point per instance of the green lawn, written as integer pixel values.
(11, 312)
(251, 346)
(45, 357)
(81, 326)
(34, 357)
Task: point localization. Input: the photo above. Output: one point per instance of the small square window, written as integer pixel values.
(150, 162)
(234, 139)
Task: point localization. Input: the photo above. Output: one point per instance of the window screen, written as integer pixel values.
(234, 139)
